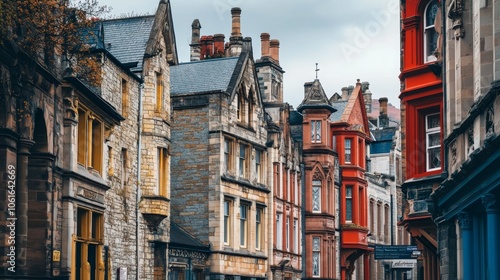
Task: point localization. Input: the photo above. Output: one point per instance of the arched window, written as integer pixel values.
(430, 34)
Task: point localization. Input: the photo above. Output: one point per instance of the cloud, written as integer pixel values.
(349, 39)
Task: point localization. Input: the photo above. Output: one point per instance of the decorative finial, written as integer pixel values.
(316, 70)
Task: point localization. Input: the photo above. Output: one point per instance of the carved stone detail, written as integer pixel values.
(453, 152)
(455, 13)
(490, 120)
(489, 201)
(464, 220)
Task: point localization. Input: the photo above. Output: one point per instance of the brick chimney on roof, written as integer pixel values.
(218, 45)
(207, 43)
(274, 47)
(383, 117)
(264, 44)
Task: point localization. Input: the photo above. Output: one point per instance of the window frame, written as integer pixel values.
(159, 92)
(259, 214)
(243, 161)
(244, 211)
(428, 132)
(90, 140)
(348, 150)
(125, 97)
(228, 150)
(163, 172)
(279, 231)
(316, 131)
(227, 218)
(287, 233)
(429, 30)
(349, 199)
(258, 165)
(316, 198)
(296, 235)
(316, 253)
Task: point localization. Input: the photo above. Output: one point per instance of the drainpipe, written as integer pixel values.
(138, 193)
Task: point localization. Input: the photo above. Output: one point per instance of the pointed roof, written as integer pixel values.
(126, 39)
(315, 97)
(132, 39)
(353, 111)
(204, 76)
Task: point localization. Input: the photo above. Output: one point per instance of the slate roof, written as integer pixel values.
(128, 38)
(382, 140)
(202, 76)
(181, 237)
(340, 106)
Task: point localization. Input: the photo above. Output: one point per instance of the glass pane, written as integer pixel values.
(316, 244)
(318, 131)
(316, 199)
(348, 192)
(431, 13)
(433, 121)
(433, 140)
(348, 209)
(434, 155)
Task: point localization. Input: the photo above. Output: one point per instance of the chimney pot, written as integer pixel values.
(264, 44)
(274, 46)
(236, 25)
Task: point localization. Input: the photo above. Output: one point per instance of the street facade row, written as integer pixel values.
(195, 170)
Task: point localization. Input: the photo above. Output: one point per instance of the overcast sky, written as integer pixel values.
(357, 39)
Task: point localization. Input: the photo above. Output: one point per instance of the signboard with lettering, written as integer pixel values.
(404, 264)
(388, 252)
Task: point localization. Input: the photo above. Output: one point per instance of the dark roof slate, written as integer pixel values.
(383, 139)
(126, 38)
(202, 76)
(181, 237)
(340, 106)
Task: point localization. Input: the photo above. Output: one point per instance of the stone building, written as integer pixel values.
(76, 154)
(466, 208)
(421, 126)
(285, 159)
(384, 192)
(219, 157)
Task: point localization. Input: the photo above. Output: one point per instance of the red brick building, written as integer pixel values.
(421, 119)
(335, 131)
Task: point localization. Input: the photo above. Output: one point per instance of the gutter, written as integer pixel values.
(138, 193)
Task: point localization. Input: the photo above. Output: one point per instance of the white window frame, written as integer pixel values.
(279, 231)
(242, 160)
(428, 148)
(348, 150)
(258, 165)
(296, 236)
(287, 233)
(244, 209)
(428, 31)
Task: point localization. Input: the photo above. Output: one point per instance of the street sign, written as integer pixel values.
(405, 264)
(388, 252)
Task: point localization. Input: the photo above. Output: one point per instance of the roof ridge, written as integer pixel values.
(208, 60)
(127, 18)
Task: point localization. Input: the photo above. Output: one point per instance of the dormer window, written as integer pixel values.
(430, 34)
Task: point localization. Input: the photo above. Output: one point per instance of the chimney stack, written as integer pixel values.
(383, 117)
(274, 50)
(219, 45)
(236, 26)
(264, 44)
(195, 41)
